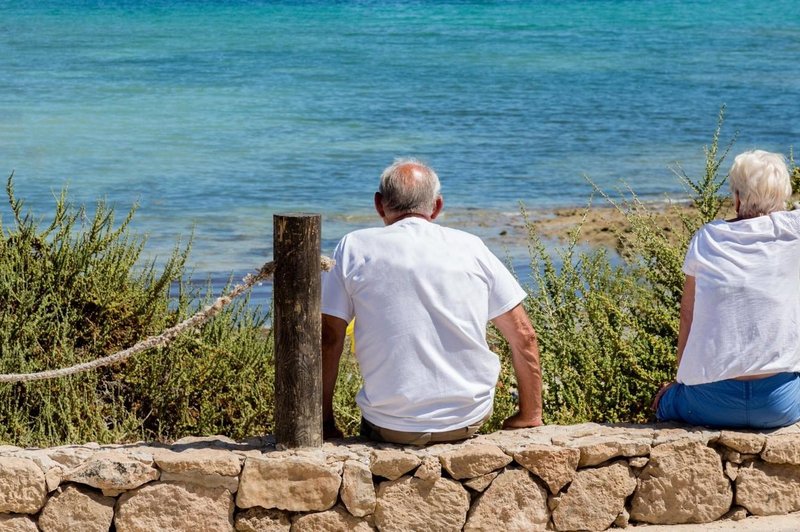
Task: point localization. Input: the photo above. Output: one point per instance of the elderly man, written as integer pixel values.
(421, 296)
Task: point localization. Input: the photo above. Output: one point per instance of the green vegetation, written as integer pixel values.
(75, 290)
(72, 292)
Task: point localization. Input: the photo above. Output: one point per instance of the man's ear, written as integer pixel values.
(379, 205)
(437, 207)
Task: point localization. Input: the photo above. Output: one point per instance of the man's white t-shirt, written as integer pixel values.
(747, 299)
(422, 295)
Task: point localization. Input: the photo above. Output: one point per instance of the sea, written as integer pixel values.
(212, 116)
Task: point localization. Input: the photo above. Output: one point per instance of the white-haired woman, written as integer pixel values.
(739, 339)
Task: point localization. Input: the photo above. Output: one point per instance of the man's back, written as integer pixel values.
(422, 295)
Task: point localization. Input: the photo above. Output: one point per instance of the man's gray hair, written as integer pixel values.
(409, 185)
(762, 181)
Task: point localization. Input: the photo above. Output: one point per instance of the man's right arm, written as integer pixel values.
(333, 333)
(517, 329)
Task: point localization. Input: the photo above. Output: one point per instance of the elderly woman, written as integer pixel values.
(739, 339)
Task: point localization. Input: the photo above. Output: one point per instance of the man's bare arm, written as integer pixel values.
(333, 333)
(517, 329)
(687, 314)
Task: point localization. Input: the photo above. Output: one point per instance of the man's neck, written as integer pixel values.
(397, 218)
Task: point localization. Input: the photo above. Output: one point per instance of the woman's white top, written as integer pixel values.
(747, 299)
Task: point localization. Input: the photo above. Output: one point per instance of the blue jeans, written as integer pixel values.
(760, 404)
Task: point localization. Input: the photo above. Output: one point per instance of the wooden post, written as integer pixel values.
(296, 298)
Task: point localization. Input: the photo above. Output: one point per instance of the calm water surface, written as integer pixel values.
(213, 116)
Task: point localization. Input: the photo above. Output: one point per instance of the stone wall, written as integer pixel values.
(581, 477)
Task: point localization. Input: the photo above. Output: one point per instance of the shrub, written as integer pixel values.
(73, 292)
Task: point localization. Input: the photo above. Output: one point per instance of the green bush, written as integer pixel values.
(73, 292)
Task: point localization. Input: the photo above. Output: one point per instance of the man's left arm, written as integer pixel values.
(515, 326)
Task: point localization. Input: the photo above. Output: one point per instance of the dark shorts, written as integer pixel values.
(760, 404)
(376, 433)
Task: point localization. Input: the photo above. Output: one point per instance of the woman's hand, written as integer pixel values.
(664, 387)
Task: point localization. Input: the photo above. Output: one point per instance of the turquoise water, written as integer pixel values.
(215, 115)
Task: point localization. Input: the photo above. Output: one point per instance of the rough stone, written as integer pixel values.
(682, 483)
(638, 462)
(334, 520)
(429, 469)
(622, 519)
(175, 507)
(113, 471)
(482, 482)
(23, 489)
(204, 461)
(737, 513)
(595, 498)
(743, 442)
(768, 489)
(470, 461)
(598, 449)
(698, 434)
(71, 456)
(731, 470)
(294, 483)
(392, 463)
(556, 466)
(262, 520)
(733, 457)
(782, 449)
(77, 508)
(17, 523)
(514, 502)
(358, 491)
(410, 503)
(211, 480)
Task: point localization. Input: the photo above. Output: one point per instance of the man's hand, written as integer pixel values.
(330, 431)
(517, 421)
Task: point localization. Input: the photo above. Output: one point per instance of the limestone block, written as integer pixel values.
(22, 486)
(71, 456)
(77, 508)
(294, 483)
(514, 502)
(556, 466)
(699, 434)
(113, 471)
(210, 480)
(733, 457)
(174, 507)
(782, 449)
(595, 498)
(429, 469)
(392, 463)
(334, 520)
(638, 462)
(262, 520)
(17, 523)
(482, 482)
(358, 492)
(410, 503)
(204, 461)
(743, 442)
(598, 449)
(470, 461)
(682, 483)
(768, 489)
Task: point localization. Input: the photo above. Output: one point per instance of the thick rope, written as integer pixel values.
(164, 338)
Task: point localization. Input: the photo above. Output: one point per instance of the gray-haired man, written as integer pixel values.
(422, 295)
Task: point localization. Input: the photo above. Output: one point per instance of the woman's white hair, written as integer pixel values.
(761, 180)
(408, 185)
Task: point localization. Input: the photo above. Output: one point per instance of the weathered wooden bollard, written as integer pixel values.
(298, 325)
